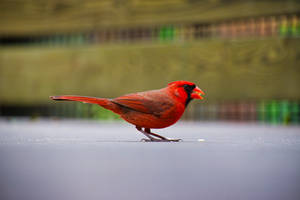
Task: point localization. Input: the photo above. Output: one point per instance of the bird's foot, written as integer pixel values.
(174, 140)
(161, 140)
(153, 137)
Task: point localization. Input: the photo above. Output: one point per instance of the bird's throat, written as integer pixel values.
(188, 100)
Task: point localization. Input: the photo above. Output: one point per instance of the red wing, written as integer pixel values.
(150, 104)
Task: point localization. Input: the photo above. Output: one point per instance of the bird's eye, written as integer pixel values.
(189, 88)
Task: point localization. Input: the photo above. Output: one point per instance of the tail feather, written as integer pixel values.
(94, 100)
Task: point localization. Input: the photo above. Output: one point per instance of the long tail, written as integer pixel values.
(105, 103)
(99, 101)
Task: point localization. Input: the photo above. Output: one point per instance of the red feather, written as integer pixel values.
(150, 109)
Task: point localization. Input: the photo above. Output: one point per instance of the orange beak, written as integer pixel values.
(197, 92)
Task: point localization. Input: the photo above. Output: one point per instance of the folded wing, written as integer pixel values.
(150, 103)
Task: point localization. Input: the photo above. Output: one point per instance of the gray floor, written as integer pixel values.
(48, 159)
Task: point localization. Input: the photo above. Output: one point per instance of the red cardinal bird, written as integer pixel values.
(150, 109)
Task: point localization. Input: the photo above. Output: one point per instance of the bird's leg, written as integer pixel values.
(146, 134)
(162, 139)
(147, 130)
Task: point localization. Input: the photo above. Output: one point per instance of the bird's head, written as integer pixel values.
(185, 91)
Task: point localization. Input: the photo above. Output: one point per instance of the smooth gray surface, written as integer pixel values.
(49, 159)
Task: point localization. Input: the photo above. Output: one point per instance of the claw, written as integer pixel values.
(159, 140)
(153, 137)
(174, 140)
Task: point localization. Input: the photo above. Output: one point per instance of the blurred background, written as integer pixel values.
(245, 55)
